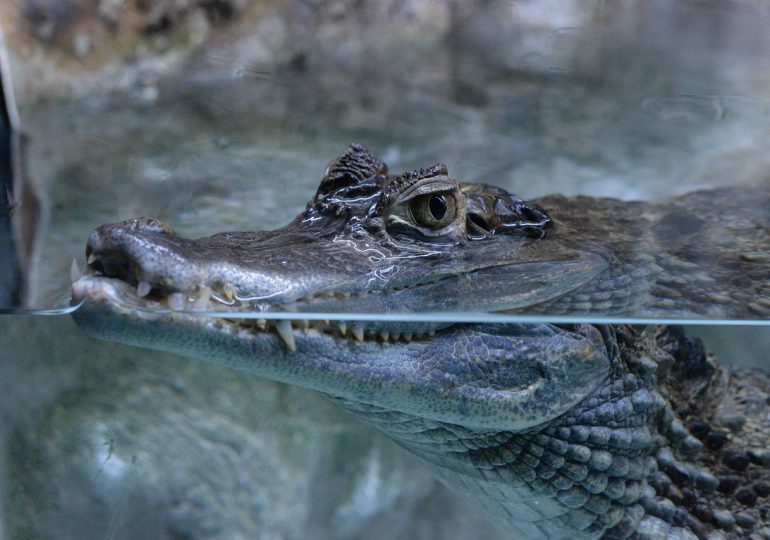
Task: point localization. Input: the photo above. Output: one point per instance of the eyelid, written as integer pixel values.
(427, 187)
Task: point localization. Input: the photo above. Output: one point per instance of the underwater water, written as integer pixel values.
(106, 441)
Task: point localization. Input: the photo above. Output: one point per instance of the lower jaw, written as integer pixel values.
(118, 298)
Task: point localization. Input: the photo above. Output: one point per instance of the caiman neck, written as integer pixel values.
(701, 255)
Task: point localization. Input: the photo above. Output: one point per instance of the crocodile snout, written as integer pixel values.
(138, 251)
(146, 254)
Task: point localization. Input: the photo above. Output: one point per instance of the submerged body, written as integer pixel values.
(559, 431)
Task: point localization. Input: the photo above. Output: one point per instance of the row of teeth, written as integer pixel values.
(284, 328)
(200, 301)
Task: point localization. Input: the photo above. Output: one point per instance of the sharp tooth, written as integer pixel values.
(176, 301)
(343, 328)
(284, 330)
(431, 332)
(384, 335)
(358, 332)
(304, 324)
(229, 292)
(91, 259)
(395, 336)
(261, 324)
(75, 273)
(407, 336)
(143, 289)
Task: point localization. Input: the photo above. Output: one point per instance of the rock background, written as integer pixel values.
(80, 47)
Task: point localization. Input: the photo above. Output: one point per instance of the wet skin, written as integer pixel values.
(558, 430)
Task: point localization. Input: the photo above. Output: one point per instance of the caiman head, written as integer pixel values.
(367, 243)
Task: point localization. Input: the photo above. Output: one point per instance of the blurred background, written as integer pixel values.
(222, 114)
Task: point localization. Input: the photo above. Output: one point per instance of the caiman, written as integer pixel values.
(556, 430)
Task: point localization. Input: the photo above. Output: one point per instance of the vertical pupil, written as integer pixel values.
(437, 206)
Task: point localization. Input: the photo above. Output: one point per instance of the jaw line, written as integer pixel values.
(405, 379)
(107, 306)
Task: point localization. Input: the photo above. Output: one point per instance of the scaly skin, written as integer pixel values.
(581, 431)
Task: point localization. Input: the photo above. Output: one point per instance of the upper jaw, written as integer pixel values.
(235, 271)
(293, 270)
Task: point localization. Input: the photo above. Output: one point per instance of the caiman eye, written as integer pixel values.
(433, 210)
